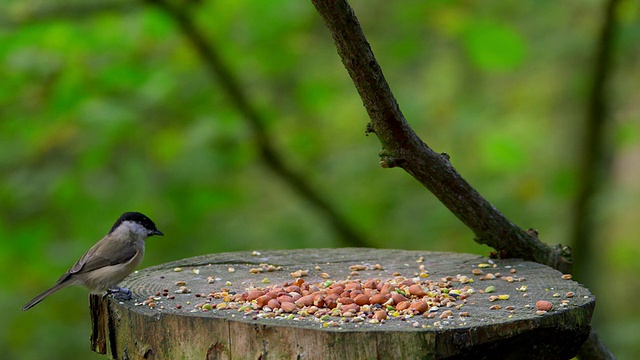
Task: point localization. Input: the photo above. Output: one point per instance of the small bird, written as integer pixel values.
(110, 260)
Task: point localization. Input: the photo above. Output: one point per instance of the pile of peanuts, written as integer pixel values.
(371, 299)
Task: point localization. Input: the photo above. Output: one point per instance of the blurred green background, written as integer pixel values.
(105, 108)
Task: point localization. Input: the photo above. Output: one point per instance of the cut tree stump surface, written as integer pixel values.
(180, 328)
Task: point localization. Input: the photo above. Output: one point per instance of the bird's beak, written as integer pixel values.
(157, 232)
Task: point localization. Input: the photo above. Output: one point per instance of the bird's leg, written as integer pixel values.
(120, 293)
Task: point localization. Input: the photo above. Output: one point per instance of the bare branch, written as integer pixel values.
(594, 169)
(595, 151)
(212, 60)
(38, 12)
(403, 148)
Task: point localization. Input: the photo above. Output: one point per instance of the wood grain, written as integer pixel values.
(127, 330)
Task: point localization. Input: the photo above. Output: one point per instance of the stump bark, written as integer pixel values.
(181, 328)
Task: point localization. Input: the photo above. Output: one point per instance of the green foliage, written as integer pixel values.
(113, 111)
(493, 46)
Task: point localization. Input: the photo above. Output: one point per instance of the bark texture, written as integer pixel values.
(129, 331)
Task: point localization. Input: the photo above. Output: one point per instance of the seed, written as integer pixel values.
(287, 307)
(508, 279)
(305, 301)
(256, 270)
(177, 269)
(350, 307)
(540, 312)
(403, 305)
(476, 272)
(490, 289)
(513, 270)
(379, 299)
(273, 304)
(464, 314)
(544, 305)
(263, 300)
(416, 290)
(318, 300)
(380, 315)
(370, 284)
(254, 294)
(331, 301)
(362, 299)
(347, 301)
(397, 298)
(494, 307)
(178, 306)
(353, 285)
(336, 289)
(446, 314)
(358, 267)
(566, 277)
(387, 288)
(570, 294)
(419, 306)
(292, 288)
(489, 276)
(181, 283)
(299, 273)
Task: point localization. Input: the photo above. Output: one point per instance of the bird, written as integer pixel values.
(109, 261)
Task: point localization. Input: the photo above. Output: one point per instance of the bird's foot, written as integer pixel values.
(119, 293)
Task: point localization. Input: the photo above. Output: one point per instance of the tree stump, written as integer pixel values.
(172, 316)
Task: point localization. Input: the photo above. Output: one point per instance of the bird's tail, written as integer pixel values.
(46, 293)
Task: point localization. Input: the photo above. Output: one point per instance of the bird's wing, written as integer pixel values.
(95, 258)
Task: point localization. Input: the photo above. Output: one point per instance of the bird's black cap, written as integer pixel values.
(138, 218)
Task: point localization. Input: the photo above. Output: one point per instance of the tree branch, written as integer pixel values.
(40, 12)
(595, 150)
(594, 169)
(401, 147)
(214, 63)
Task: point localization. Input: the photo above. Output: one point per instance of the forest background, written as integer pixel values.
(105, 107)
